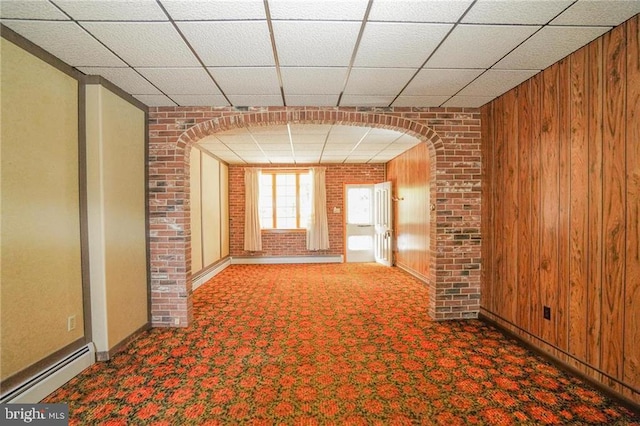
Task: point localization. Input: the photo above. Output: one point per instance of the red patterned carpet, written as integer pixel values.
(346, 344)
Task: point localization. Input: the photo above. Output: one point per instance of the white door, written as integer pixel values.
(359, 229)
(383, 224)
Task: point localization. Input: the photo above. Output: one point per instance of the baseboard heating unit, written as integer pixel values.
(41, 384)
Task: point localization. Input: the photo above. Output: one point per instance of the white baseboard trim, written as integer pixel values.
(270, 260)
(211, 273)
(43, 383)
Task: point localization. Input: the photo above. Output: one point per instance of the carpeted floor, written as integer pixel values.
(345, 344)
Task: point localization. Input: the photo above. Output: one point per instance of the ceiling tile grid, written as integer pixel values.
(377, 53)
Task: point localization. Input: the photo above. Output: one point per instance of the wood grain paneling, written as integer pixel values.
(594, 282)
(564, 179)
(549, 201)
(632, 289)
(613, 153)
(487, 206)
(562, 183)
(536, 191)
(523, 316)
(409, 174)
(578, 261)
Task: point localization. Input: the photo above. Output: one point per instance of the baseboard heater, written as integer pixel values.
(265, 260)
(37, 387)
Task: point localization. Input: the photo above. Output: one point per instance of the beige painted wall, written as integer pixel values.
(210, 210)
(196, 211)
(116, 207)
(40, 238)
(224, 210)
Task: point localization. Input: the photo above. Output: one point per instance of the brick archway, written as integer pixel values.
(174, 130)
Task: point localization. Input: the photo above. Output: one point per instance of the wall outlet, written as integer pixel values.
(176, 321)
(546, 312)
(71, 323)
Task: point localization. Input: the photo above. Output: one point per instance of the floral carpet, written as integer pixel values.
(345, 344)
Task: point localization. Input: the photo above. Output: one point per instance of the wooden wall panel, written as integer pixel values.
(564, 180)
(632, 289)
(486, 215)
(498, 195)
(510, 234)
(614, 192)
(594, 283)
(536, 191)
(549, 201)
(578, 260)
(409, 174)
(524, 207)
(564, 149)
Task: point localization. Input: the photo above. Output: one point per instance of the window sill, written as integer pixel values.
(282, 231)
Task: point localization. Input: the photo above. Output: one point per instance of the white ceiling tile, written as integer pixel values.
(271, 129)
(418, 11)
(109, 10)
(200, 100)
(468, 101)
(197, 10)
(396, 45)
(155, 100)
(315, 43)
(332, 160)
(357, 159)
(536, 12)
(548, 46)
(407, 140)
(255, 159)
(340, 131)
(440, 82)
(21, 9)
(237, 43)
(181, 81)
(67, 41)
(256, 100)
(598, 12)
(312, 159)
(312, 81)
(310, 129)
(478, 46)
(272, 139)
(309, 140)
(419, 101)
(144, 44)
(364, 100)
(247, 81)
(125, 78)
(337, 10)
(235, 138)
(377, 81)
(496, 82)
(240, 148)
(284, 159)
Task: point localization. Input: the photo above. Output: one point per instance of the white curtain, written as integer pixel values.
(318, 227)
(252, 235)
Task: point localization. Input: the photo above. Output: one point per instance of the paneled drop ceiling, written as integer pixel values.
(368, 53)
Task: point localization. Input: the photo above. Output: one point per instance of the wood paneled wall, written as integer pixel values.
(409, 175)
(561, 209)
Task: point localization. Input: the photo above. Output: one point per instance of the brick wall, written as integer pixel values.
(453, 138)
(294, 243)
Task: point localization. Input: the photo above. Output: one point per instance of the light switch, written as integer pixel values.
(336, 209)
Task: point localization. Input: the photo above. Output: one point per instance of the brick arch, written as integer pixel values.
(170, 263)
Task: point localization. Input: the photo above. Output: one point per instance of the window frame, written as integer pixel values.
(274, 201)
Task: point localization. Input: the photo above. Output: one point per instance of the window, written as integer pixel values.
(285, 199)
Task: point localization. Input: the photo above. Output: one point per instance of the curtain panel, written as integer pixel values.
(318, 227)
(252, 234)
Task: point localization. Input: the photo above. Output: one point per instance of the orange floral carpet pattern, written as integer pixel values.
(345, 344)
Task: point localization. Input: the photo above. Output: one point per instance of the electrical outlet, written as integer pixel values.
(71, 323)
(546, 312)
(176, 321)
